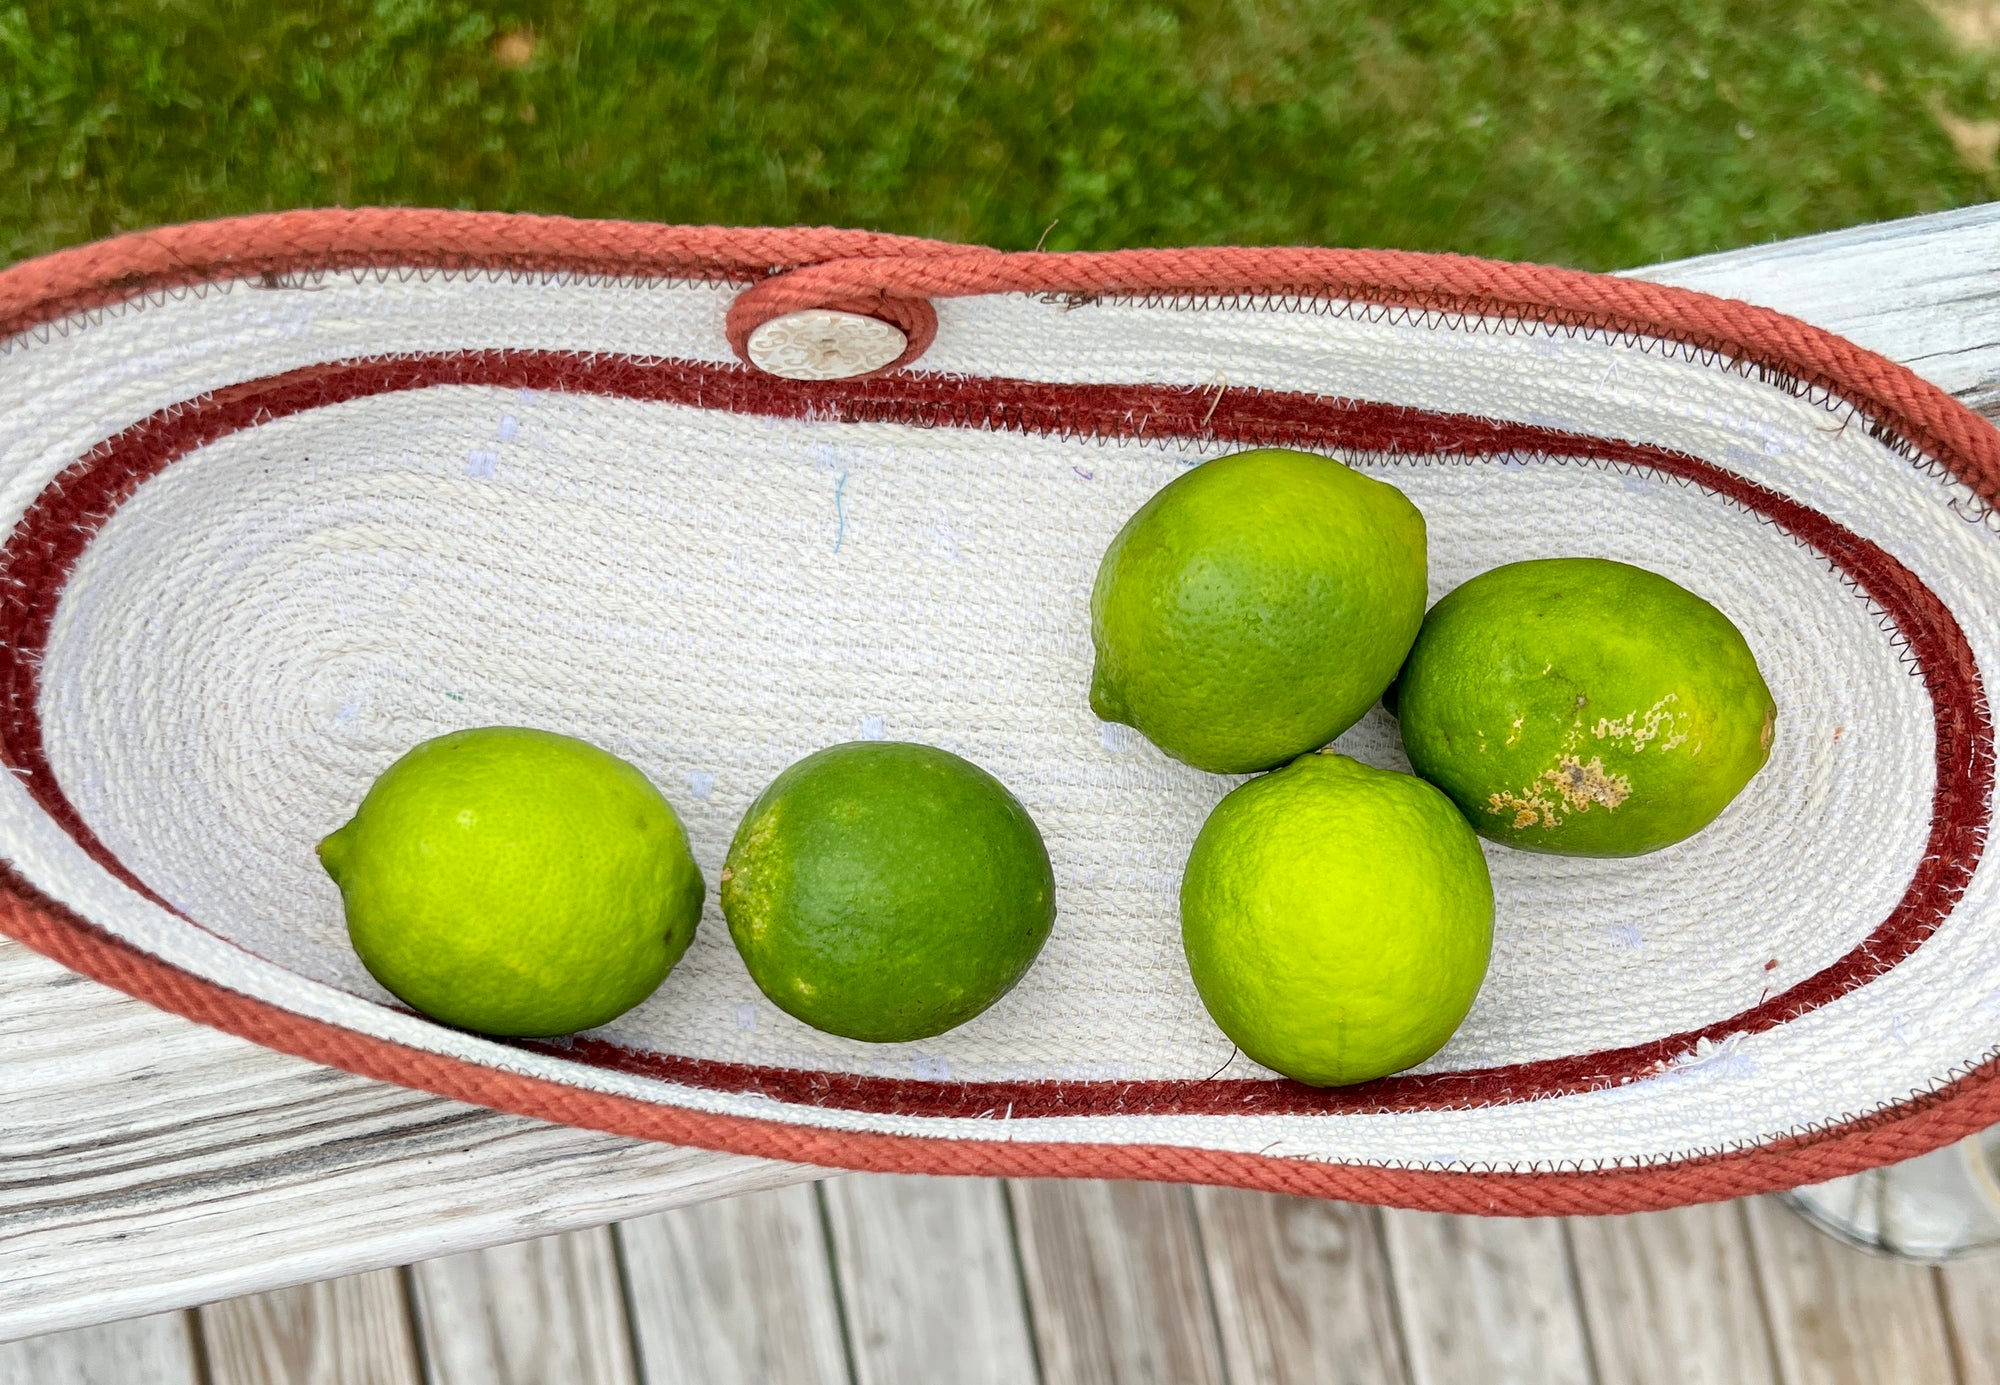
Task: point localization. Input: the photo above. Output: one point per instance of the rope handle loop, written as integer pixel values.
(876, 286)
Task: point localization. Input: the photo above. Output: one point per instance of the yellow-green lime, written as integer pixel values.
(1584, 707)
(1337, 919)
(887, 891)
(1255, 607)
(516, 882)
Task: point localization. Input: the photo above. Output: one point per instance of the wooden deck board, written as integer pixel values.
(156, 1350)
(1671, 1298)
(542, 1312)
(1486, 1301)
(1970, 1289)
(1116, 1285)
(351, 1331)
(738, 1290)
(1839, 1316)
(1302, 1289)
(929, 1281)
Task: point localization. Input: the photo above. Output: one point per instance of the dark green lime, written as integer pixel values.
(886, 891)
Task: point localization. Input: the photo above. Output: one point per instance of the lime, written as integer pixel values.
(885, 891)
(516, 882)
(1337, 919)
(1255, 607)
(1585, 707)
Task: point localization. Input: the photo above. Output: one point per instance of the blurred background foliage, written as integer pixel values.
(1595, 133)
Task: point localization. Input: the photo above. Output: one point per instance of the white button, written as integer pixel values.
(821, 344)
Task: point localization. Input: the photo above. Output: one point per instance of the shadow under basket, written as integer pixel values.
(286, 495)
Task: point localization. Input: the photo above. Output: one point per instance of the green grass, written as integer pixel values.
(1593, 134)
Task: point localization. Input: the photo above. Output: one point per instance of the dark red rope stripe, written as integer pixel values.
(55, 531)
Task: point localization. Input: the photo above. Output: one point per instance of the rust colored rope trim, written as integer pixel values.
(386, 239)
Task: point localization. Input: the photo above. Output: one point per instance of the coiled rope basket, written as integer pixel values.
(285, 495)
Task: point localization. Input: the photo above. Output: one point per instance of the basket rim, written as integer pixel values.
(845, 267)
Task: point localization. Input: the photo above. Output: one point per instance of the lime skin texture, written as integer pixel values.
(1584, 707)
(516, 882)
(1338, 919)
(885, 891)
(1255, 607)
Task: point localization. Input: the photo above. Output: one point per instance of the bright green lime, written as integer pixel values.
(1255, 607)
(1337, 919)
(885, 891)
(1584, 707)
(516, 882)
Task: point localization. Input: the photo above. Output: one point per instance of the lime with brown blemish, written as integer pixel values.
(886, 891)
(1584, 707)
(516, 882)
(1338, 919)
(1255, 607)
